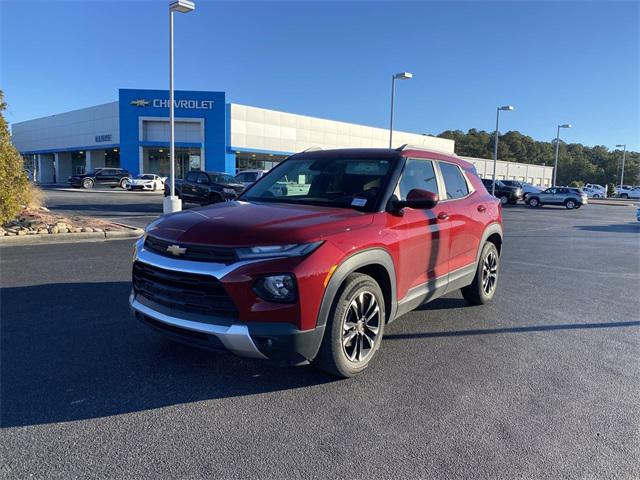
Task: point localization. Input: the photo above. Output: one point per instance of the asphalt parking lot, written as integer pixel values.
(542, 383)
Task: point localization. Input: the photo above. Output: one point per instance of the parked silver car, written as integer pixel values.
(569, 197)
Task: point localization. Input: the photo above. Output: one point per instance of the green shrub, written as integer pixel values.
(611, 190)
(14, 184)
(576, 183)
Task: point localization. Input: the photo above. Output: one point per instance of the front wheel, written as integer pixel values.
(570, 204)
(123, 183)
(504, 199)
(484, 284)
(87, 183)
(354, 328)
(624, 195)
(534, 202)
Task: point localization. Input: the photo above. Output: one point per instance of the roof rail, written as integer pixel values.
(312, 149)
(408, 146)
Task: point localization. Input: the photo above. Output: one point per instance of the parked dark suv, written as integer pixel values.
(505, 193)
(314, 272)
(113, 177)
(206, 187)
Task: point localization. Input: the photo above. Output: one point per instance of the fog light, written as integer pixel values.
(276, 288)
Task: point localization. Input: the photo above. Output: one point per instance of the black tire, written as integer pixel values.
(87, 184)
(624, 195)
(534, 202)
(513, 201)
(123, 183)
(338, 354)
(481, 290)
(504, 199)
(570, 204)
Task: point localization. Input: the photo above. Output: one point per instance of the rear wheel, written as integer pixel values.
(624, 195)
(534, 202)
(87, 183)
(570, 204)
(484, 284)
(123, 183)
(354, 328)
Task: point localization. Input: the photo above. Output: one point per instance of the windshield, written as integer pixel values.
(344, 183)
(145, 177)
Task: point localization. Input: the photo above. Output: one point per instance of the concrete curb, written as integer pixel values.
(612, 202)
(19, 240)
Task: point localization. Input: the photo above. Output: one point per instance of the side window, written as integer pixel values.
(192, 176)
(454, 182)
(417, 174)
(203, 179)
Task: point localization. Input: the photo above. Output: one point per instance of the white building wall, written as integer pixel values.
(261, 129)
(77, 128)
(535, 174)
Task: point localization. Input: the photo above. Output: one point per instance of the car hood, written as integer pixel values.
(249, 224)
(139, 181)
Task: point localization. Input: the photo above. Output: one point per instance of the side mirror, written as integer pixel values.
(418, 199)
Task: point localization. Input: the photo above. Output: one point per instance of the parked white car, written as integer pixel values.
(146, 181)
(249, 177)
(593, 190)
(630, 192)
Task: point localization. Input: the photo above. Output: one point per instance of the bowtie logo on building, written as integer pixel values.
(141, 102)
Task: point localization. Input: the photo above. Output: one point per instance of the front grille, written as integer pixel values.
(187, 292)
(199, 253)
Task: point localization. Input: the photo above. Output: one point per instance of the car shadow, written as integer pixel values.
(523, 329)
(631, 227)
(72, 351)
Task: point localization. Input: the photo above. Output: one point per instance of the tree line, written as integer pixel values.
(577, 163)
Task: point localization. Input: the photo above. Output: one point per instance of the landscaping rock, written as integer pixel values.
(63, 230)
(22, 232)
(87, 229)
(54, 230)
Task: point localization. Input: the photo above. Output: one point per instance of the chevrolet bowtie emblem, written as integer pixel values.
(176, 250)
(140, 102)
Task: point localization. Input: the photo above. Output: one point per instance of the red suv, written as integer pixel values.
(312, 262)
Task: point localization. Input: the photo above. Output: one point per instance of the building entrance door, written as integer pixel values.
(156, 160)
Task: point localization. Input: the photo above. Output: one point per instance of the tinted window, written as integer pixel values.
(247, 177)
(417, 174)
(203, 178)
(221, 178)
(454, 182)
(191, 176)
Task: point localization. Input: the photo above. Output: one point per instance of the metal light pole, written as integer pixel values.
(555, 164)
(495, 145)
(173, 203)
(624, 154)
(397, 76)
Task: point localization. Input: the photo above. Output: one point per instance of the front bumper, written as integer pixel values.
(280, 341)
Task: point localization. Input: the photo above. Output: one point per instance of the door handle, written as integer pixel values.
(443, 216)
(482, 208)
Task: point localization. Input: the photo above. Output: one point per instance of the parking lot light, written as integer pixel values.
(624, 154)
(555, 165)
(397, 76)
(172, 203)
(507, 108)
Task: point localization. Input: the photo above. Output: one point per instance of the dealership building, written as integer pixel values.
(210, 134)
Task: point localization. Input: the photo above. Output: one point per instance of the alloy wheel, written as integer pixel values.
(489, 273)
(360, 327)
(571, 204)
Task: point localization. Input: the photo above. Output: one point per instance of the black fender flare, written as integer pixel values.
(373, 256)
(490, 230)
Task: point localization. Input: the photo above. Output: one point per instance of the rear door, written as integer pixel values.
(188, 184)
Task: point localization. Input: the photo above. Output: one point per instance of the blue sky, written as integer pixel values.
(557, 62)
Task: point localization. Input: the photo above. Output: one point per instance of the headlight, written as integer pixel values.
(273, 251)
(279, 288)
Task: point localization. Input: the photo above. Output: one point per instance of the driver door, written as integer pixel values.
(423, 235)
